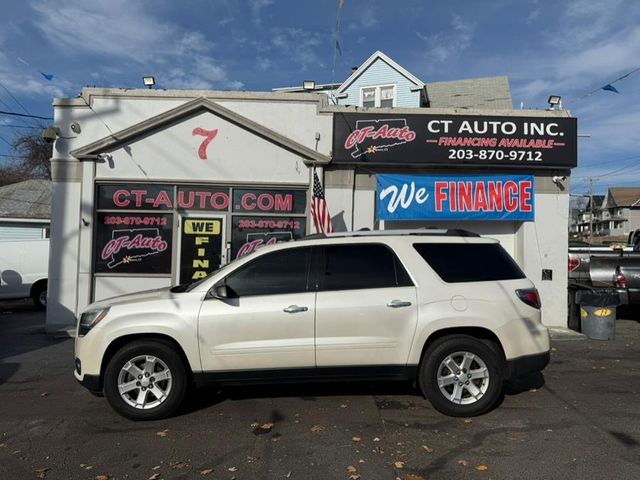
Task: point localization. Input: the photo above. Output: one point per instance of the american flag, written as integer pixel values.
(319, 210)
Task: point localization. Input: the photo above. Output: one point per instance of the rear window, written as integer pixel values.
(464, 262)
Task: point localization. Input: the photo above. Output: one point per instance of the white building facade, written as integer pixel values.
(154, 188)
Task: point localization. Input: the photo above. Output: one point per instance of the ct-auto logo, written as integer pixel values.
(371, 136)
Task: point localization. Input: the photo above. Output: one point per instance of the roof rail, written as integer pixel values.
(450, 232)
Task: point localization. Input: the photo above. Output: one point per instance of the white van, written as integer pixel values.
(23, 270)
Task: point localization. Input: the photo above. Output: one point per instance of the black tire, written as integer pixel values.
(39, 295)
(165, 354)
(432, 365)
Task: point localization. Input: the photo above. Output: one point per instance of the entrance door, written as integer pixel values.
(201, 246)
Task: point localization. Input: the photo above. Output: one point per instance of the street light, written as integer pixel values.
(309, 85)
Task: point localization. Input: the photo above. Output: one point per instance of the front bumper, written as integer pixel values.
(90, 382)
(517, 367)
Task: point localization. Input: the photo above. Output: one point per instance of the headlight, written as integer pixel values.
(90, 319)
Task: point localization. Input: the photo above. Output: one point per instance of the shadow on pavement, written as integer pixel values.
(22, 330)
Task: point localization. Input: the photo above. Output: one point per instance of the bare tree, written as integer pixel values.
(32, 159)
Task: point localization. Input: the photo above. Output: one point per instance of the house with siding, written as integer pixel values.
(619, 214)
(380, 82)
(25, 210)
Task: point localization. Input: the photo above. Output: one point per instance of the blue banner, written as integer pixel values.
(461, 197)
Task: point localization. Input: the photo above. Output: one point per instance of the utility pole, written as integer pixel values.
(590, 211)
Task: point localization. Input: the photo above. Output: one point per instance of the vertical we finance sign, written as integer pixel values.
(418, 197)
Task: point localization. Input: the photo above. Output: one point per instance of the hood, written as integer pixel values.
(132, 298)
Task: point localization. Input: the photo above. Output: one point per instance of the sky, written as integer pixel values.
(546, 47)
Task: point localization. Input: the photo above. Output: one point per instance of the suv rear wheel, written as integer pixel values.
(461, 376)
(145, 380)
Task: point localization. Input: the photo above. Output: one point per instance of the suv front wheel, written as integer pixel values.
(461, 376)
(145, 380)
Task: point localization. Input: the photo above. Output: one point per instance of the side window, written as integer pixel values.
(464, 262)
(351, 267)
(277, 273)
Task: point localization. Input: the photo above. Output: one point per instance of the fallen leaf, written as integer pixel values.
(251, 459)
(376, 439)
(42, 472)
(464, 463)
(155, 476)
(344, 405)
(317, 428)
(163, 433)
(288, 475)
(361, 461)
(178, 465)
(411, 476)
(85, 466)
(254, 424)
(351, 469)
(156, 467)
(233, 469)
(102, 477)
(266, 427)
(468, 420)
(206, 471)
(427, 449)
(482, 468)
(399, 464)
(44, 394)
(356, 439)
(3, 445)
(354, 476)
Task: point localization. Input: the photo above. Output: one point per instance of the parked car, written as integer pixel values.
(448, 310)
(23, 270)
(613, 267)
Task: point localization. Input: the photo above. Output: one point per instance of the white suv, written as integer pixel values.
(444, 308)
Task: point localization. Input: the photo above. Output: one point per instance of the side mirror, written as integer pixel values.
(220, 291)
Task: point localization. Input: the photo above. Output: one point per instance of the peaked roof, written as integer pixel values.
(378, 55)
(485, 92)
(624, 196)
(186, 110)
(28, 199)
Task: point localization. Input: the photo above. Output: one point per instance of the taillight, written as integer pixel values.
(574, 263)
(529, 296)
(621, 280)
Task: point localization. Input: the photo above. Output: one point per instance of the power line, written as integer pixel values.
(15, 99)
(2, 112)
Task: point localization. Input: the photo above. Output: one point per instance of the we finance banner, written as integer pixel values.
(460, 197)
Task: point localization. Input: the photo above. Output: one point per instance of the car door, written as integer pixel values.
(268, 321)
(366, 310)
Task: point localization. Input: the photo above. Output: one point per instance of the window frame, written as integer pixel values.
(377, 94)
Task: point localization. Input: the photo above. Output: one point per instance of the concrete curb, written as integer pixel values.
(564, 334)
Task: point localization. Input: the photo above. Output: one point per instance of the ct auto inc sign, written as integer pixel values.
(442, 140)
(422, 197)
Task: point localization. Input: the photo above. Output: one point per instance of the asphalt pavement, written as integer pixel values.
(580, 419)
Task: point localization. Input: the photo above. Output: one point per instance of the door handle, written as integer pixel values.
(294, 309)
(398, 304)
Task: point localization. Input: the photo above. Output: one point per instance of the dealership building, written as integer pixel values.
(157, 187)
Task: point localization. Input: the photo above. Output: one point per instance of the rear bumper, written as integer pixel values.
(516, 367)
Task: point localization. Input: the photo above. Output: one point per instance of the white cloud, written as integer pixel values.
(127, 34)
(257, 6)
(443, 46)
(299, 45)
